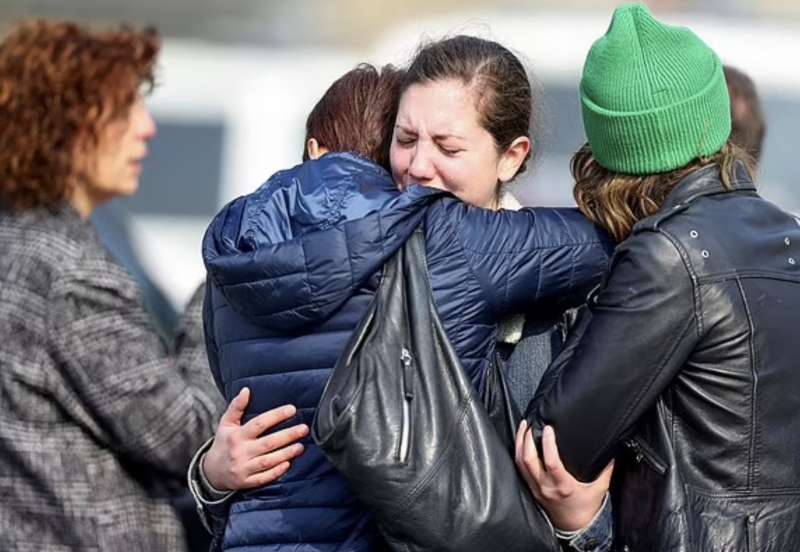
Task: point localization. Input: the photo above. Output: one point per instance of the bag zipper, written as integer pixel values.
(408, 396)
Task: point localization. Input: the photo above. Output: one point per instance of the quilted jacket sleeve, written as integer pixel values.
(533, 256)
(639, 330)
(129, 392)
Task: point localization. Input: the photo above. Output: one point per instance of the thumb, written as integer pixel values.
(608, 471)
(233, 414)
(605, 475)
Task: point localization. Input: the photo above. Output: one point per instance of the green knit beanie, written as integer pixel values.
(654, 97)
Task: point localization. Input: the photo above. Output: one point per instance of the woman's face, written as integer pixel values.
(115, 165)
(438, 142)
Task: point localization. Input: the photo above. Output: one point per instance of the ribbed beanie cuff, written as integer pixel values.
(663, 137)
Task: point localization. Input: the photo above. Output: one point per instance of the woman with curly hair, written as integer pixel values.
(96, 417)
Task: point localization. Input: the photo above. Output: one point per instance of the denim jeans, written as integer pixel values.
(525, 363)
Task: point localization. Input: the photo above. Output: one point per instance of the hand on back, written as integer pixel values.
(242, 456)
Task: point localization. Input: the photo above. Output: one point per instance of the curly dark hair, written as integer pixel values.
(61, 83)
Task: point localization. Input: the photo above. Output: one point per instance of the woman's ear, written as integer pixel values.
(512, 158)
(315, 151)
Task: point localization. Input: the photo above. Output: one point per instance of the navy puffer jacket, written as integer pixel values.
(292, 268)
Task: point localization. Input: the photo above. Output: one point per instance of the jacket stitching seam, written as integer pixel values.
(753, 353)
(575, 244)
(719, 278)
(697, 299)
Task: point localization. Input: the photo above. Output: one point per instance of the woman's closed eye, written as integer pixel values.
(449, 150)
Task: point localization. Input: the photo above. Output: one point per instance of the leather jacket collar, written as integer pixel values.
(700, 183)
(706, 181)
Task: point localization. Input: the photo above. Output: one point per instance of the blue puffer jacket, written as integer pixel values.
(292, 268)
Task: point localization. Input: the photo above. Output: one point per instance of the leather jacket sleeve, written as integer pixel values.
(640, 328)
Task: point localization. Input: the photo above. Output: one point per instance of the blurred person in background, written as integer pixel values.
(97, 421)
(683, 365)
(445, 139)
(748, 125)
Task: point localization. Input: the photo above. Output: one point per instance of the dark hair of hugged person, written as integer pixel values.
(60, 86)
(357, 113)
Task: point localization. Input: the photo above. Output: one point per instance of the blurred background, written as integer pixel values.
(237, 78)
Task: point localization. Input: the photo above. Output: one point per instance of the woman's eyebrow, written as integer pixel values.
(446, 135)
(436, 137)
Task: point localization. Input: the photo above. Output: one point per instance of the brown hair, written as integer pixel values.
(357, 113)
(747, 118)
(502, 88)
(61, 83)
(617, 201)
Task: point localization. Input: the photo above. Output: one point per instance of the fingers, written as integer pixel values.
(241, 465)
(563, 482)
(552, 461)
(519, 457)
(526, 456)
(263, 422)
(519, 441)
(233, 414)
(531, 456)
(280, 439)
(608, 471)
(267, 462)
(267, 468)
(604, 479)
(266, 477)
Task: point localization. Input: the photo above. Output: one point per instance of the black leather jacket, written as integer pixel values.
(684, 369)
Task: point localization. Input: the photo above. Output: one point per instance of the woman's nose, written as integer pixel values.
(421, 169)
(147, 126)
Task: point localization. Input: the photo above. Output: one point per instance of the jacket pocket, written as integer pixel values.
(642, 452)
(768, 521)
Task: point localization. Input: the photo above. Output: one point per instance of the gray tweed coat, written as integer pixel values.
(96, 417)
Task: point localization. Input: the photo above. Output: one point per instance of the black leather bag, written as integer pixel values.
(500, 406)
(401, 421)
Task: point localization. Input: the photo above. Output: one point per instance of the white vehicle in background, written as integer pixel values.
(227, 119)
(230, 117)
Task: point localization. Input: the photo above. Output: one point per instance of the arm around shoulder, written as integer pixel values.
(533, 256)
